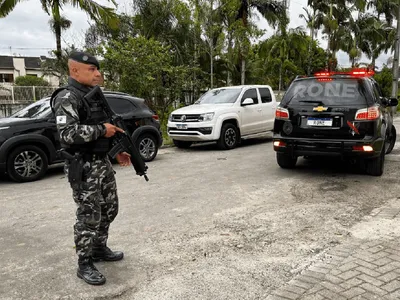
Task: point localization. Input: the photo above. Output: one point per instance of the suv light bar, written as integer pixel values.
(355, 73)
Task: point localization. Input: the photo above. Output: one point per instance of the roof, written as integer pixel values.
(32, 62)
(6, 62)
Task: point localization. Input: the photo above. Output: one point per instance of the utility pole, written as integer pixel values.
(395, 85)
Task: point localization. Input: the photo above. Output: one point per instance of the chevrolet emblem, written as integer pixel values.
(320, 108)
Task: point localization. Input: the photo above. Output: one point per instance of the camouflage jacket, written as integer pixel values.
(67, 104)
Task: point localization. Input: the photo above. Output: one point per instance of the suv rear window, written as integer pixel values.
(329, 91)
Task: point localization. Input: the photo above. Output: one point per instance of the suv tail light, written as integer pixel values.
(155, 117)
(370, 113)
(282, 113)
(364, 148)
(279, 144)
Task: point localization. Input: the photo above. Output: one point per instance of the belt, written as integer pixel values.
(93, 157)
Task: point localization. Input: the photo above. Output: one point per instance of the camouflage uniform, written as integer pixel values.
(96, 197)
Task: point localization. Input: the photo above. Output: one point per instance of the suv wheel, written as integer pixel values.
(286, 161)
(182, 144)
(229, 137)
(391, 140)
(376, 165)
(27, 163)
(147, 146)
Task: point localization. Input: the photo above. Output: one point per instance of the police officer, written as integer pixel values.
(86, 135)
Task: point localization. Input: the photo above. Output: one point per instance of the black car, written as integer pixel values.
(29, 138)
(342, 114)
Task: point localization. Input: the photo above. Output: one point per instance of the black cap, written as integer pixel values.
(85, 58)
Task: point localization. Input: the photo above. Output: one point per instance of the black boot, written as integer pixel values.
(106, 254)
(88, 272)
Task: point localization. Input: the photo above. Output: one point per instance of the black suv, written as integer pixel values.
(342, 114)
(29, 138)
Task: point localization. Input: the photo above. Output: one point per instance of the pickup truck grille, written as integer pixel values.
(186, 118)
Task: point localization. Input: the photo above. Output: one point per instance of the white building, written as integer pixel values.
(12, 67)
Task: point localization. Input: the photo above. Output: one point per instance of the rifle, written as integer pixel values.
(123, 141)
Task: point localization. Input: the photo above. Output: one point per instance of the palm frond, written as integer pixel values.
(62, 23)
(96, 11)
(6, 6)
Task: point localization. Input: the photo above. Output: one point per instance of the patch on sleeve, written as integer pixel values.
(61, 119)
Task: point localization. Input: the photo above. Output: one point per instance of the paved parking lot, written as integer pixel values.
(209, 224)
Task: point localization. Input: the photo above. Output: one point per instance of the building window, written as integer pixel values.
(32, 75)
(6, 77)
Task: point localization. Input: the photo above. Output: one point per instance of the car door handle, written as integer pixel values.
(259, 109)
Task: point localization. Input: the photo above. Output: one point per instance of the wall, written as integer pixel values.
(19, 66)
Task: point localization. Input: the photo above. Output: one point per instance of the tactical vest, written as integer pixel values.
(91, 112)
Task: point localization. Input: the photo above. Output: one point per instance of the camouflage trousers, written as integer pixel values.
(97, 205)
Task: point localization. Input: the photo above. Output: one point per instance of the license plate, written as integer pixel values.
(181, 126)
(319, 121)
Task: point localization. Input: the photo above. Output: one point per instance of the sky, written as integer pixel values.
(25, 31)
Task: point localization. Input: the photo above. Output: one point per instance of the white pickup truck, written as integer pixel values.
(225, 115)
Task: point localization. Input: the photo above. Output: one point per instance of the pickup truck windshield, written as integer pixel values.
(219, 96)
(329, 91)
(36, 110)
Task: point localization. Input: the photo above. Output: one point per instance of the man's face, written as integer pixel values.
(87, 74)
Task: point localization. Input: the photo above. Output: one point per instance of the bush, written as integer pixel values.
(30, 81)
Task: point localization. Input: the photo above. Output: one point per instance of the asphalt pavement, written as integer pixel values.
(214, 224)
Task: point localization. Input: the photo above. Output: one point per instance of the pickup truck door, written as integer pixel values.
(268, 108)
(250, 114)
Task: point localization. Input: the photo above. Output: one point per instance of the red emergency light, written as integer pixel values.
(363, 72)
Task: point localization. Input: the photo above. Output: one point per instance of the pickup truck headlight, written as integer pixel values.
(170, 117)
(206, 117)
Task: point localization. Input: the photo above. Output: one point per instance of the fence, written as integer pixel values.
(16, 94)
(14, 98)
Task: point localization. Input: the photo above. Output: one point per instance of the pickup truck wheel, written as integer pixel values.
(182, 144)
(27, 163)
(229, 137)
(147, 146)
(286, 161)
(376, 165)
(391, 140)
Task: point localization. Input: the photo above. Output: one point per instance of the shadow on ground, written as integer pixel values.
(212, 146)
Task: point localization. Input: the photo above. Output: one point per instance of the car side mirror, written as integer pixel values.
(247, 101)
(393, 101)
(384, 101)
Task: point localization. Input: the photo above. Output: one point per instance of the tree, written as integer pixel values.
(100, 32)
(384, 79)
(58, 23)
(273, 11)
(311, 18)
(268, 67)
(59, 67)
(144, 68)
(286, 46)
(387, 8)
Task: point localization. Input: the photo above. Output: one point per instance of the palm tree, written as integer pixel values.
(287, 44)
(58, 22)
(311, 21)
(168, 22)
(388, 8)
(273, 11)
(334, 18)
